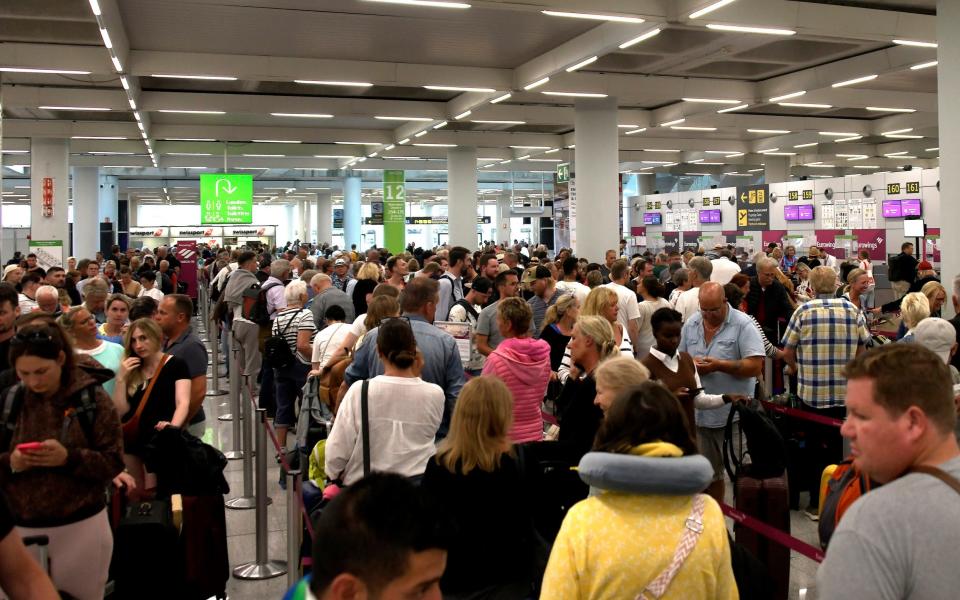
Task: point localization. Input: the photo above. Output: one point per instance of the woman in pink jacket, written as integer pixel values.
(523, 363)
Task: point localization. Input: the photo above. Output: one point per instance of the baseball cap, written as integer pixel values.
(937, 335)
(481, 284)
(924, 266)
(534, 273)
(339, 262)
(9, 268)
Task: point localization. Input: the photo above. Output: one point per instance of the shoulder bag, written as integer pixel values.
(693, 527)
(131, 428)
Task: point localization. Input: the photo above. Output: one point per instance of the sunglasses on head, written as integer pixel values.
(39, 341)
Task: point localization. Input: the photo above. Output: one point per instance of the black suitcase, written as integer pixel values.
(769, 501)
(147, 561)
(203, 543)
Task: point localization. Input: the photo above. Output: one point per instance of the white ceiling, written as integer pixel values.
(495, 44)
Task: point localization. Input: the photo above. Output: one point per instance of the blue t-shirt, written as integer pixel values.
(110, 355)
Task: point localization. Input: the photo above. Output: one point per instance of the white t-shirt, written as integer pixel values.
(723, 270)
(328, 340)
(576, 288)
(27, 305)
(154, 293)
(688, 303)
(628, 308)
(358, 328)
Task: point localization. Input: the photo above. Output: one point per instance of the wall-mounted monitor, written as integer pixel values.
(911, 208)
(652, 218)
(913, 228)
(892, 209)
(791, 212)
(710, 216)
(806, 212)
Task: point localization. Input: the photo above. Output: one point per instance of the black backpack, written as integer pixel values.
(276, 351)
(11, 401)
(255, 303)
(765, 445)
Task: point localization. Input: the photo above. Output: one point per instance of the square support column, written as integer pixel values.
(597, 172)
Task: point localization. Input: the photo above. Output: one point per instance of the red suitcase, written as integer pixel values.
(203, 542)
(769, 501)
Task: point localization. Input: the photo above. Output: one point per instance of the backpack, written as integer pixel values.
(276, 350)
(895, 271)
(12, 401)
(765, 445)
(469, 308)
(845, 486)
(216, 290)
(255, 303)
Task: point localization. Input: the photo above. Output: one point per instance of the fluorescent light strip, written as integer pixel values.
(692, 128)
(455, 88)
(553, 160)
(357, 143)
(640, 38)
(575, 94)
(463, 115)
(552, 150)
(189, 139)
(925, 149)
(702, 162)
(858, 157)
(425, 3)
(124, 83)
(76, 108)
(111, 153)
(916, 43)
(902, 156)
(768, 131)
(674, 122)
(132, 103)
(659, 150)
(692, 162)
(264, 155)
(106, 38)
(849, 155)
(593, 17)
(440, 125)
(333, 156)
(925, 65)
(436, 145)
(837, 133)
(185, 167)
(582, 63)
(116, 64)
(728, 152)
(499, 99)
(336, 83)
(804, 105)
(389, 148)
(711, 101)
(854, 81)
(530, 147)
(494, 122)
(95, 7)
(420, 134)
(744, 29)
(709, 9)
(767, 150)
(902, 136)
(787, 96)
(303, 115)
(188, 154)
(200, 77)
(819, 166)
(885, 109)
(277, 141)
(895, 131)
(852, 138)
(732, 108)
(641, 130)
(866, 166)
(535, 84)
(43, 71)
(96, 137)
(404, 141)
(524, 157)
(423, 119)
(193, 112)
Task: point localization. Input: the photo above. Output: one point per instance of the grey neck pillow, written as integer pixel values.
(631, 474)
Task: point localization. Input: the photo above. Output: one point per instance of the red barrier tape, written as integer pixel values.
(802, 414)
(282, 453)
(771, 532)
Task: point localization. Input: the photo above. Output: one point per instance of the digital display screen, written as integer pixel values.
(913, 228)
(911, 208)
(806, 212)
(791, 213)
(652, 218)
(892, 209)
(710, 216)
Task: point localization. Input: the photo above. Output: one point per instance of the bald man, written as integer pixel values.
(728, 352)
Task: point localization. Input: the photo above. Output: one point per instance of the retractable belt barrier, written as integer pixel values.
(802, 414)
(772, 533)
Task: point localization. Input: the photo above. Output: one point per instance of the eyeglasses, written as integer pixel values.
(38, 341)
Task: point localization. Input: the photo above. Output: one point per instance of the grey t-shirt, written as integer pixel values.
(487, 325)
(897, 542)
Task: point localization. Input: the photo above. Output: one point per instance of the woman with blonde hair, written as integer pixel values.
(856, 290)
(152, 391)
(367, 279)
(477, 475)
(523, 363)
(558, 325)
(614, 375)
(914, 308)
(602, 302)
(936, 295)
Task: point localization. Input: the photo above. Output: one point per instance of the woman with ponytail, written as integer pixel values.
(404, 413)
(591, 342)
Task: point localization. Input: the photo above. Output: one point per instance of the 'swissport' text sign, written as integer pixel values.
(226, 198)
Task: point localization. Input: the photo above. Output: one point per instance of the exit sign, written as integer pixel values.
(563, 173)
(226, 199)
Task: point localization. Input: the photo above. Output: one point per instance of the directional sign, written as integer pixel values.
(394, 211)
(563, 172)
(226, 199)
(753, 207)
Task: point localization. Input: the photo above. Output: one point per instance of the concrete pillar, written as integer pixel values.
(324, 217)
(107, 204)
(351, 211)
(503, 219)
(133, 206)
(776, 169)
(948, 86)
(48, 159)
(303, 226)
(86, 201)
(462, 196)
(597, 187)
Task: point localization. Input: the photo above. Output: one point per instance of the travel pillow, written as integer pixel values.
(631, 474)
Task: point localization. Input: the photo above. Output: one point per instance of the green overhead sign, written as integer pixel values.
(394, 211)
(226, 199)
(563, 172)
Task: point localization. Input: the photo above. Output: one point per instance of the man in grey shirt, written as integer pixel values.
(898, 541)
(326, 295)
(488, 335)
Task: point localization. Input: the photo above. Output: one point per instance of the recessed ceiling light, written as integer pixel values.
(745, 29)
(357, 143)
(201, 77)
(866, 166)
(732, 108)
(423, 119)
(575, 94)
(593, 17)
(582, 64)
(885, 109)
(457, 88)
(903, 136)
(463, 115)
(44, 71)
(711, 101)
(768, 150)
(640, 38)
(536, 84)
(837, 133)
(188, 154)
(692, 128)
(440, 125)
(659, 150)
(189, 139)
(916, 43)
(499, 99)
(332, 156)
(436, 145)
(806, 145)
(97, 137)
(787, 96)
(895, 131)
(425, 3)
(709, 9)
(854, 81)
(530, 147)
(804, 105)
(420, 134)
(781, 131)
(335, 83)
(552, 150)
(494, 122)
(404, 141)
(674, 122)
(303, 115)
(264, 155)
(193, 112)
(925, 65)
(641, 130)
(277, 141)
(76, 108)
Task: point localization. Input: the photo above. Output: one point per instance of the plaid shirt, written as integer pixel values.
(825, 334)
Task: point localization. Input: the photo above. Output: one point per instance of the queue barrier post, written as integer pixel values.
(263, 567)
(214, 380)
(234, 379)
(294, 527)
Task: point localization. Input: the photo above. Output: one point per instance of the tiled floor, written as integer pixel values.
(241, 523)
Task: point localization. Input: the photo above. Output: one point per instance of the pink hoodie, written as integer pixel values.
(524, 365)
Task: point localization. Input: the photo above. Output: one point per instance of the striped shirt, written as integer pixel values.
(825, 334)
(290, 323)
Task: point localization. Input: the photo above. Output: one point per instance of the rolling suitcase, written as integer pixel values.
(767, 500)
(147, 559)
(203, 544)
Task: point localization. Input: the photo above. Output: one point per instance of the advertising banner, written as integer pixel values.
(873, 241)
(49, 252)
(671, 241)
(827, 242)
(157, 232)
(394, 211)
(774, 236)
(691, 241)
(753, 207)
(187, 255)
(931, 246)
(338, 218)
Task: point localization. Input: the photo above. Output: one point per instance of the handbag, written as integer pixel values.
(131, 428)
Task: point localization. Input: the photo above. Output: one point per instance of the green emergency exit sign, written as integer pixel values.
(226, 199)
(563, 172)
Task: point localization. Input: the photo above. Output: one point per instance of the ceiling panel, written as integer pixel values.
(798, 51)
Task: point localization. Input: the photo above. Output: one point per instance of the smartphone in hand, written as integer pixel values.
(30, 446)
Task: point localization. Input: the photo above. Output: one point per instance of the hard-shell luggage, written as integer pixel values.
(203, 543)
(147, 559)
(769, 501)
